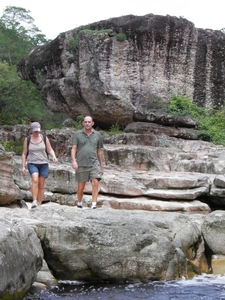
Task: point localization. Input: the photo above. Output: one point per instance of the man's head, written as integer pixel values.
(88, 122)
(35, 126)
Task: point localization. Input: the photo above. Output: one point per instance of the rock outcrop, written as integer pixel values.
(91, 71)
(142, 171)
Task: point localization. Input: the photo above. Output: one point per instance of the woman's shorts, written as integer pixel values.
(41, 169)
(85, 174)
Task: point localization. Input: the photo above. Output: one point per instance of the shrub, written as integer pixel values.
(78, 124)
(13, 146)
(214, 125)
(115, 128)
(121, 37)
(73, 43)
(183, 106)
(211, 123)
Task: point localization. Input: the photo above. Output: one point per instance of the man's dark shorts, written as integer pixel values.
(85, 174)
(41, 169)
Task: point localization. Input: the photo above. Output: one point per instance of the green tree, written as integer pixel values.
(20, 101)
(18, 19)
(18, 34)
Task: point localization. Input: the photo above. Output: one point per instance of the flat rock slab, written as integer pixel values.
(189, 194)
(144, 203)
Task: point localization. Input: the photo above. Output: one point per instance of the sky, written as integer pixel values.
(54, 17)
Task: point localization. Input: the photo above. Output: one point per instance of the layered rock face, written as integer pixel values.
(142, 171)
(91, 71)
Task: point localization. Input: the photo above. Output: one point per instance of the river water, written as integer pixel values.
(210, 287)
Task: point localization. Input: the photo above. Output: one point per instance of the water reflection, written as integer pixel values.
(204, 287)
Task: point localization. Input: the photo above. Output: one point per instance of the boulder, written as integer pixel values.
(45, 277)
(20, 256)
(219, 181)
(213, 230)
(117, 246)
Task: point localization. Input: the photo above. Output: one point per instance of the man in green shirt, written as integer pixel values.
(87, 159)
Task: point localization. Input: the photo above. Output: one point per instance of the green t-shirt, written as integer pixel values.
(87, 146)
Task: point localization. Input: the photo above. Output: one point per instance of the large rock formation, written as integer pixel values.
(89, 70)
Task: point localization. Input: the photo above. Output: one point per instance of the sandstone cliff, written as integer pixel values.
(89, 71)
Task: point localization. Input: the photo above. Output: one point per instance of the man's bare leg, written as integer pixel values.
(94, 183)
(80, 193)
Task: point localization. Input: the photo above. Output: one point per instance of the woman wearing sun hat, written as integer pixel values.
(35, 149)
